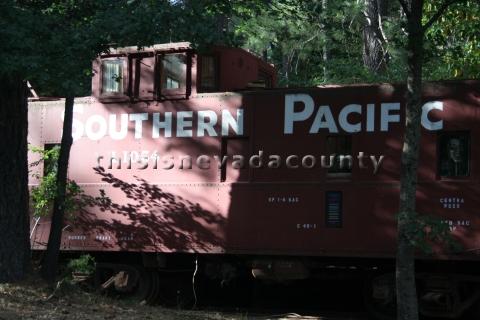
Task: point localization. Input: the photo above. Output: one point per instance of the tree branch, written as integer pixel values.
(405, 7)
(439, 13)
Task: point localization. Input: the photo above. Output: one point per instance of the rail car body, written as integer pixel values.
(178, 155)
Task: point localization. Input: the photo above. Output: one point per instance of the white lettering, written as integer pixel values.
(343, 121)
(165, 125)
(386, 117)
(229, 121)
(291, 116)
(118, 135)
(183, 123)
(101, 127)
(204, 125)
(324, 113)
(138, 118)
(370, 117)
(426, 123)
(77, 126)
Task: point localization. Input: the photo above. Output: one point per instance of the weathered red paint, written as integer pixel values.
(192, 210)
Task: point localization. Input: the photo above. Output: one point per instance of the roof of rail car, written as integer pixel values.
(430, 88)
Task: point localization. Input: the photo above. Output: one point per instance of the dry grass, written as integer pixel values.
(33, 299)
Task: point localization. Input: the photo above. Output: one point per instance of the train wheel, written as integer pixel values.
(143, 286)
(154, 288)
(124, 281)
(379, 296)
(448, 296)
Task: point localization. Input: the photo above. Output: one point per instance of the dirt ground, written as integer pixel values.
(31, 299)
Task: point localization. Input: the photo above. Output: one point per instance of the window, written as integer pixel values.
(341, 147)
(333, 209)
(208, 73)
(174, 68)
(172, 75)
(112, 76)
(454, 154)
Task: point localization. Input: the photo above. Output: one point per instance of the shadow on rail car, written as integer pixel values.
(159, 220)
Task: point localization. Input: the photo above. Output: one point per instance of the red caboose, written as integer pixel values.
(195, 156)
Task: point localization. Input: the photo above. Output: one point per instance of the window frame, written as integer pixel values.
(339, 174)
(125, 77)
(452, 133)
(165, 93)
(136, 76)
(216, 61)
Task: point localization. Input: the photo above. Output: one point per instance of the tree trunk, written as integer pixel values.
(285, 67)
(407, 307)
(325, 44)
(14, 216)
(50, 262)
(374, 42)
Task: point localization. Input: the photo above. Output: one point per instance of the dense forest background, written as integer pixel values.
(348, 41)
(311, 42)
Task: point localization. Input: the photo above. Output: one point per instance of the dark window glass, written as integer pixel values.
(208, 73)
(340, 146)
(112, 76)
(454, 154)
(174, 71)
(333, 209)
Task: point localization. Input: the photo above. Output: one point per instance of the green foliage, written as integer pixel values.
(453, 43)
(295, 34)
(84, 264)
(53, 42)
(44, 194)
(424, 231)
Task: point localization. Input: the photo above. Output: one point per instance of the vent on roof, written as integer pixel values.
(257, 84)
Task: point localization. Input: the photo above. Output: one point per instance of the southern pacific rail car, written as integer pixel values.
(195, 162)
